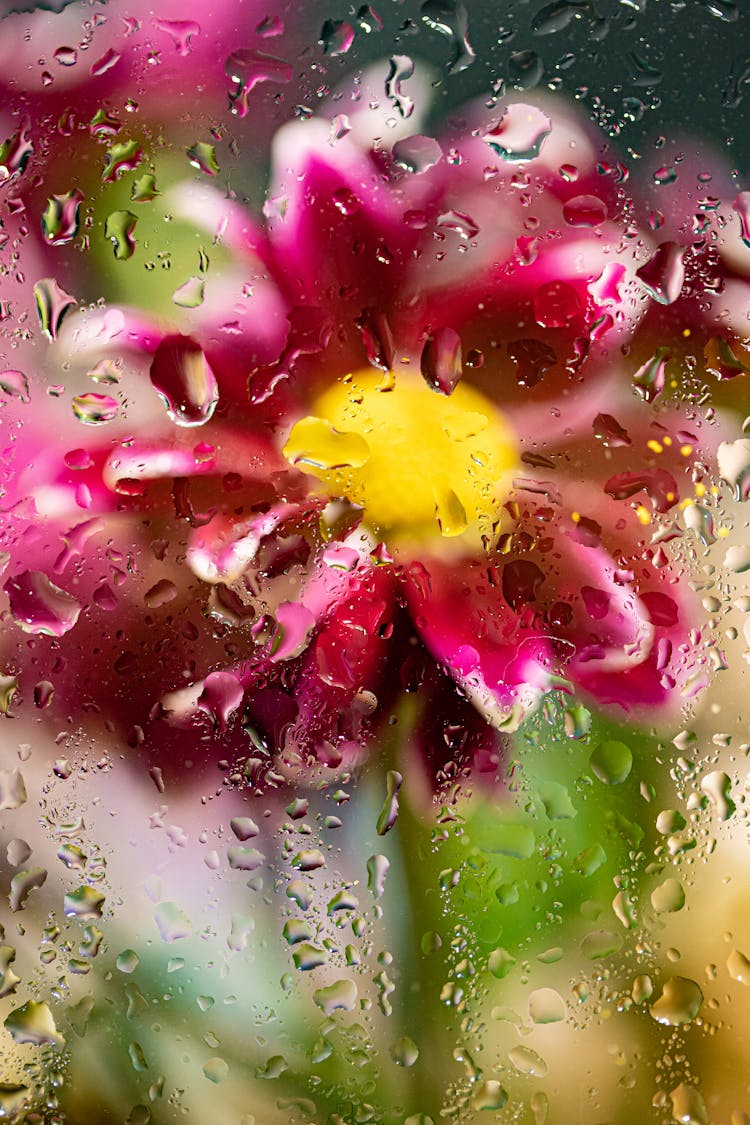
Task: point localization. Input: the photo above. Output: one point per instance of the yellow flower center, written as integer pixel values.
(417, 462)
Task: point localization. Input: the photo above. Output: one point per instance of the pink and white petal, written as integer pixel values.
(336, 225)
(228, 223)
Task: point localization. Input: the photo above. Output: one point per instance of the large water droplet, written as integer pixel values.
(341, 995)
(181, 375)
(93, 409)
(451, 19)
(663, 274)
(33, 1023)
(52, 303)
(679, 1002)
(61, 217)
(38, 606)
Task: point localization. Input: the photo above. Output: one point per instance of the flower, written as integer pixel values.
(394, 448)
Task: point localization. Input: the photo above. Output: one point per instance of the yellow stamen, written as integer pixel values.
(419, 463)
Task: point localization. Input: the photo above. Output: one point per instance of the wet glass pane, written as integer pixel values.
(374, 554)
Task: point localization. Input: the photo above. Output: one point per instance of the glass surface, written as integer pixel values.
(374, 554)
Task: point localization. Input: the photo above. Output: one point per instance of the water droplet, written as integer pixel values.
(247, 69)
(336, 37)
(377, 869)
(500, 962)
(449, 511)
(12, 789)
(558, 15)
(341, 995)
(546, 1006)
(527, 1061)
(161, 593)
(309, 859)
(314, 442)
(182, 377)
(733, 458)
(679, 1002)
(404, 1051)
(717, 787)
(127, 961)
(190, 294)
(556, 305)
(441, 361)
(181, 32)
(245, 859)
(94, 409)
(122, 157)
(61, 218)
(401, 68)
(663, 274)
(243, 827)
(600, 943)
(307, 957)
(738, 967)
(450, 18)
(688, 1106)
(17, 851)
(585, 211)
(172, 922)
(144, 189)
(203, 157)
(33, 1023)
(725, 10)
(611, 762)
(15, 152)
(417, 154)
(14, 384)
(23, 883)
(85, 903)
(52, 303)
(109, 59)
(668, 897)
(737, 558)
(38, 606)
(221, 697)
(118, 228)
(389, 811)
(13, 1098)
(342, 900)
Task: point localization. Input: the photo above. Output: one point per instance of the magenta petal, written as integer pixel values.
(502, 664)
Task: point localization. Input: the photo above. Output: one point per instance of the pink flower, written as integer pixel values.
(393, 450)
